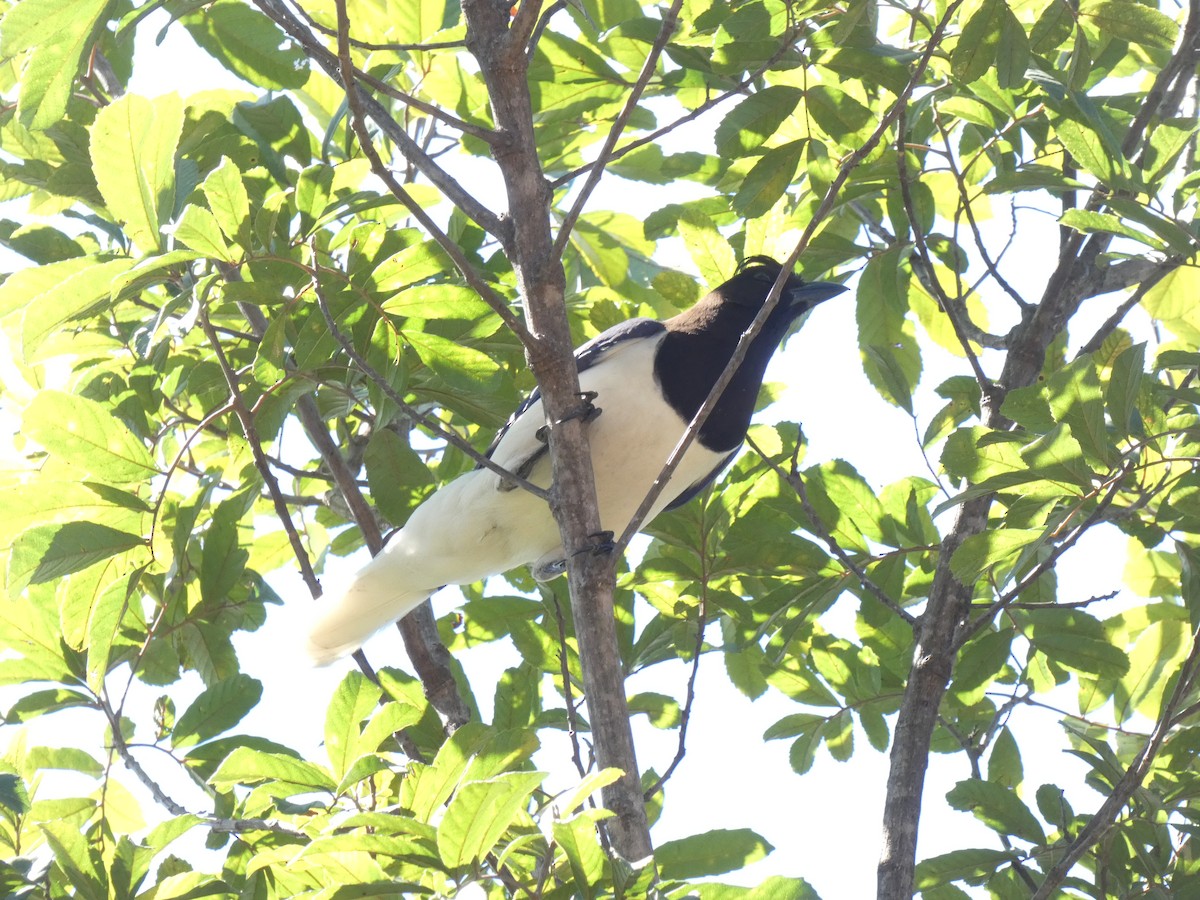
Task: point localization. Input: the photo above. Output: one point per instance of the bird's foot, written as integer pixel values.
(586, 411)
(602, 543)
(553, 565)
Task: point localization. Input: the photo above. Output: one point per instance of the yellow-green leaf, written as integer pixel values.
(86, 434)
(133, 158)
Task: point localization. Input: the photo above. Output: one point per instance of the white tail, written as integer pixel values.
(372, 600)
(461, 534)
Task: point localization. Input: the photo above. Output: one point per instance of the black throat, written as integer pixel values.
(698, 345)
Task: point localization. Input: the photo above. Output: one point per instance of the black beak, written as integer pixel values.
(809, 295)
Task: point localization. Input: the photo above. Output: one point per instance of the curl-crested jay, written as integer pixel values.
(649, 379)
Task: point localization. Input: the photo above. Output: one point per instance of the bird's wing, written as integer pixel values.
(587, 355)
(697, 486)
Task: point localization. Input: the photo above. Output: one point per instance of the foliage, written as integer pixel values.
(169, 348)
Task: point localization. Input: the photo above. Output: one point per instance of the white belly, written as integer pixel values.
(471, 528)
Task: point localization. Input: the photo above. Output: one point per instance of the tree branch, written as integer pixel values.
(426, 421)
(358, 124)
(454, 192)
(530, 247)
(824, 208)
(1104, 818)
(818, 527)
(250, 431)
(649, 66)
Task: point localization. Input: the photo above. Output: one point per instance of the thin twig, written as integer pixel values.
(614, 133)
(794, 479)
(408, 409)
(1110, 324)
(948, 305)
(250, 431)
(178, 461)
(1113, 486)
(367, 45)
(542, 22)
(1105, 817)
(685, 716)
(439, 177)
(214, 823)
(653, 136)
(824, 208)
(965, 201)
(484, 134)
(565, 669)
(358, 122)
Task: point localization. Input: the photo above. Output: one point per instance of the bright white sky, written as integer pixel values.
(825, 825)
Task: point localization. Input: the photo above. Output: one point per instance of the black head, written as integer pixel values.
(751, 285)
(699, 343)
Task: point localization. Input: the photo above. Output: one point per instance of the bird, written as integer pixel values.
(642, 382)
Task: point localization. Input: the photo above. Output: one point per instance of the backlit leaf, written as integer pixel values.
(133, 158)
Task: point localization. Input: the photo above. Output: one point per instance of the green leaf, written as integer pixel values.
(55, 34)
(980, 662)
(891, 356)
(76, 860)
(48, 552)
(410, 266)
(247, 766)
(414, 22)
(1088, 221)
(974, 864)
(217, 709)
(1124, 386)
(502, 751)
(712, 853)
(40, 703)
(133, 158)
(396, 474)
(1131, 22)
(709, 250)
(433, 784)
(1076, 398)
(756, 119)
(353, 702)
(249, 44)
(976, 48)
(1012, 53)
(998, 807)
(437, 301)
(25, 285)
(229, 202)
(104, 624)
(570, 801)
(991, 548)
(577, 838)
(1004, 763)
(1053, 806)
(198, 230)
(73, 297)
(1052, 28)
(480, 813)
(13, 795)
(606, 14)
(223, 562)
(1092, 656)
(1153, 662)
(661, 710)
(767, 180)
(461, 368)
(1093, 150)
(894, 371)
